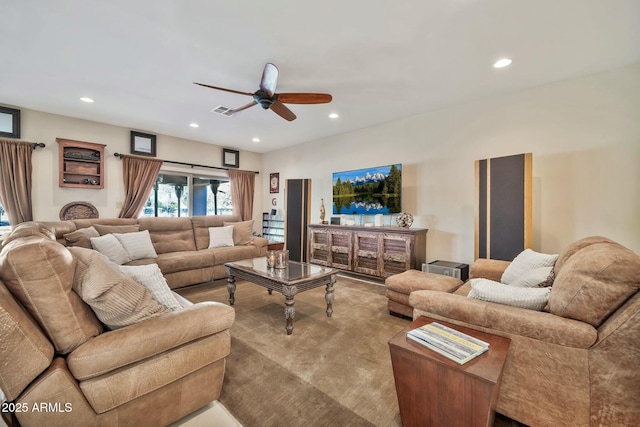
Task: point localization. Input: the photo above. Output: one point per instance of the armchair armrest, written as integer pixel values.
(503, 319)
(491, 269)
(122, 347)
(260, 242)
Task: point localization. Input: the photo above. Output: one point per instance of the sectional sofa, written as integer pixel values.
(182, 244)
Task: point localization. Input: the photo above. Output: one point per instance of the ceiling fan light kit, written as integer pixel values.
(268, 99)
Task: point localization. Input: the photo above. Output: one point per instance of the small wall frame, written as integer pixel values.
(9, 122)
(143, 144)
(230, 158)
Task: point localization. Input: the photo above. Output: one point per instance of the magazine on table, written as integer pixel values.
(448, 342)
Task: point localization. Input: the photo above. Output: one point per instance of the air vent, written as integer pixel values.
(225, 111)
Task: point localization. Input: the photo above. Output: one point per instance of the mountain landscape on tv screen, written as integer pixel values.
(368, 191)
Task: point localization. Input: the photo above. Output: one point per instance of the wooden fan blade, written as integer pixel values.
(304, 98)
(221, 88)
(269, 79)
(244, 107)
(280, 109)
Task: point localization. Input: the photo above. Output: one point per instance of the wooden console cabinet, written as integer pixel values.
(376, 251)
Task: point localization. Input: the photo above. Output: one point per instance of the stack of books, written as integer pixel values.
(448, 342)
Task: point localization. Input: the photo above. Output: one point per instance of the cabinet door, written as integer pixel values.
(367, 251)
(396, 253)
(341, 249)
(320, 247)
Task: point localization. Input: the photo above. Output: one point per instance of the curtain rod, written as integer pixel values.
(192, 165)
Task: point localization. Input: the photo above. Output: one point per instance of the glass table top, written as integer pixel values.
(294, 271)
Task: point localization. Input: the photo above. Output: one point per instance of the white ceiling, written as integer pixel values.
(381, 60)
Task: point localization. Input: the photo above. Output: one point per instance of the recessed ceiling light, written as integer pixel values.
(504, 62)
(194, 125)
(334, 115)
(85, 99)
(256, 139)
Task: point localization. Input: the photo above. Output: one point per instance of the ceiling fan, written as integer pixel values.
(267, 97)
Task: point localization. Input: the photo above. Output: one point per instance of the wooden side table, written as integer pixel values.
(435, 391)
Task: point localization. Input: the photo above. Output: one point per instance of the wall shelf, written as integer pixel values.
(81, 164)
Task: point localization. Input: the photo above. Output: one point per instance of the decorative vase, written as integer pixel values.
(404, 219)
(322, 211)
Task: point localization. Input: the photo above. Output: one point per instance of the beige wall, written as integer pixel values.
(48, 197)
(584, 135)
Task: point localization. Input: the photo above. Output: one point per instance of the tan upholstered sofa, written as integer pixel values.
(181, 244)
(59, 364)
(577, 362)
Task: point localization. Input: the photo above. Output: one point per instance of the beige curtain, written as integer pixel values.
(15, 180)
(140, 174)
(243, 185)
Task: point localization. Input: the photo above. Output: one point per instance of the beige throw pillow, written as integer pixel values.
(529, 298)
(116, 299)
(535, 278)
(81, 237)
(137, 244)
(111, 247)
(151, 277)
(242, 232)
(526, 261)
(220, 237)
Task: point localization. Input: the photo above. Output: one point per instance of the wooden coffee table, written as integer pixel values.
(297, 277)
(435, 391)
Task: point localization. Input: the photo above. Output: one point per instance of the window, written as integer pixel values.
(182, 195)
(4, 222)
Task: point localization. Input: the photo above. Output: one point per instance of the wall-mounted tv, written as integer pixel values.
(368, 191)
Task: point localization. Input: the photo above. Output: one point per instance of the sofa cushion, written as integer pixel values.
(47, 291)
(173, 262)
(526, 261)
(116, 299)
(81, 237)
(169, 234)
(242, 232)
(138, 245)
(529, 298)
(201, 226)
(596, 279)
(109, 229)
(235, 253)
(220, 237)
(109, 246)
(574, 247)
(151, 278)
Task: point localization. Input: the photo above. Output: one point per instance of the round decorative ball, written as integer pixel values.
(404, 219)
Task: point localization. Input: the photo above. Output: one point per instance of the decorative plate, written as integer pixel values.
(78, 210)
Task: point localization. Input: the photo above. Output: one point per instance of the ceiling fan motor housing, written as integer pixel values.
(263, 98)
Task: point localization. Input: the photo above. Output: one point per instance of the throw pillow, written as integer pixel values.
(111, 247)
(533, 279)
(137, 244)
(108, 229)
(526, 261)
(242, 232)
(529, 298)
(116, 299)
(151, 277)
(220, 237)
(81, 237)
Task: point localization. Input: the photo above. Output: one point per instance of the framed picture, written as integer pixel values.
(143, 144)
(230, 158)
(274, 183)
(9, 122)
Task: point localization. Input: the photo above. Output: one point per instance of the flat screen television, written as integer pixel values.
(369, 191)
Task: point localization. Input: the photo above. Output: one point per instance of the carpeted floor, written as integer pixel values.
(330, 372)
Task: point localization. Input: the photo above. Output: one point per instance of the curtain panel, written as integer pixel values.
(139, 175)
(243, 185)
(15, 180)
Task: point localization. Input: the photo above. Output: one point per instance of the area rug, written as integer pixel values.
(332, 371)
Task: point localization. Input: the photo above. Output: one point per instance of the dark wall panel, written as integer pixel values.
(298, 202)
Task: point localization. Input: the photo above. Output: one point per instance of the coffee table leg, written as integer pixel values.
(328, 296)
(231, 287)
(289, 310)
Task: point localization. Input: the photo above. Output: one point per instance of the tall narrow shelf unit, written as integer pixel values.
(374, 251)
(273, 227)
(81, 164)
